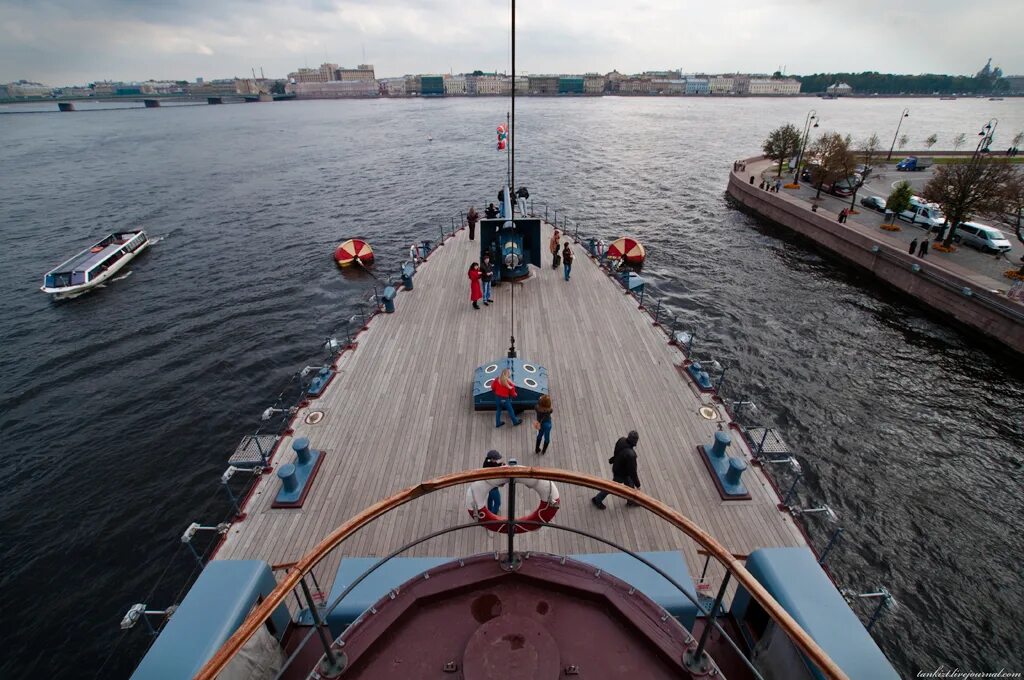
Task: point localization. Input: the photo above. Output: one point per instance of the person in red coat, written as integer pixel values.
(504, 391)
(475, 292)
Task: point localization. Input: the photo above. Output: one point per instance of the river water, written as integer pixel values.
(118, 409)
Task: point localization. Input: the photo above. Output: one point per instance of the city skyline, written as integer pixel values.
(76, 42)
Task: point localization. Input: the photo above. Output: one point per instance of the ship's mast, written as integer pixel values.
(512, 183)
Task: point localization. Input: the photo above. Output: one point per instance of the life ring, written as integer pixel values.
(476, 505)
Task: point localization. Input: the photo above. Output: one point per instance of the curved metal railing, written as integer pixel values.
(306, 564)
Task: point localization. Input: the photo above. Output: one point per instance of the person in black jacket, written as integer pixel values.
(487, 277)
(490, 212)
(623, 467)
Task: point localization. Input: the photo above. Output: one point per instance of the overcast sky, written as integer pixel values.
(62, 42)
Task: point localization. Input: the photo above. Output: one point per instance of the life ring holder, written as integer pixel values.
(476, 505)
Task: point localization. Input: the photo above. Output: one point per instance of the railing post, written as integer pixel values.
(641, 297)
(831, 543)
(760, 445)
(546, 213)
(792, 489)
(511, 518)
(453, 225)
(441, 229)
(721, 379)
(332, 660)
(657, 312)
(698, 654)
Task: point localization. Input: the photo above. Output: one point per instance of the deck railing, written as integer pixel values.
(293, 583)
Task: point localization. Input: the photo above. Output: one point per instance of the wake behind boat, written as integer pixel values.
(95, 264)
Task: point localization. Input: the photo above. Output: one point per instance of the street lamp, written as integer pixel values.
(811, 115)
(905, 114)
(987, 133)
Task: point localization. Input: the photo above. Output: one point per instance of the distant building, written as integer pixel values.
(522, 84)
(334, 89)
(217, 88)
(413, 85)
(391, 87)
(570, 85)
(432, 86)
(774, 86)
(25, 88)
(543, 84)
(838, 89)
(741, 84)
(636, 85)
(493, 84)
(668, 87)
(594, 83)
(1015, 83)
(663, 75)
(720, 85)
(455, 86)
(360, 72)
(697, 86)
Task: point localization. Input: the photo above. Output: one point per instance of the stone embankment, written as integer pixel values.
(967, 297)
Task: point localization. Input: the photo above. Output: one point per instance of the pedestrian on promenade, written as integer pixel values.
(474, 285)
(941, 233)
(751, 180)
(567, 260)
(493, 459)
(623, 462)
(922, 250)
(814, 207)
(543, 423)
(913, 246)
(842, 215)
(556, 237)
(490, 212)
(778, 185)
(761, 184)
(472, 217)
(504, 391)
(486, 277)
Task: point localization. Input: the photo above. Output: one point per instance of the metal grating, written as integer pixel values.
(772, 442)
(248, 452)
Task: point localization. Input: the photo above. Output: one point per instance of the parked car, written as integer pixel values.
(923, 214)
(983, 237)
(844, 187)
(873, 202)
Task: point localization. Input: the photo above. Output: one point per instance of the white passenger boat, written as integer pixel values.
(95, 264)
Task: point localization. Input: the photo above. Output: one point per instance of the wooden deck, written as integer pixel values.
(400, 411)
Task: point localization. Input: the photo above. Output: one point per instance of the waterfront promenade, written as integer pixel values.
(963, 291)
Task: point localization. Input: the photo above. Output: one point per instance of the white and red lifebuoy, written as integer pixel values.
(476, 504)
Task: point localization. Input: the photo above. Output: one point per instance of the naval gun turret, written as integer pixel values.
(514, 243)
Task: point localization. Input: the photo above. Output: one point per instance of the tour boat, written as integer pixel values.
(95, 264)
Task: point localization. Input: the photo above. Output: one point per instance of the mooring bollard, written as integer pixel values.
(408, 269)
(301, 447)
(387, 299)
(286, 473)
(736, 469)
(722, 440)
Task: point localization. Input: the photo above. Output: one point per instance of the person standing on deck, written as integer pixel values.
(504, 391)
(486, 277)
(490, 212)
(472, 217)
(556, 237)
(474, 285)
(567, 260)
(543, 423)
(493, 459)
(623, 467)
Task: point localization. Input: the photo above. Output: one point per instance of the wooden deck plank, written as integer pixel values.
(400, 411)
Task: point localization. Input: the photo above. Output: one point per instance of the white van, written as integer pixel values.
(923, 214)
(983, 237)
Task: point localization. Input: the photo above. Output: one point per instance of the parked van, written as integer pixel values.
(983, 237)
(923, 214)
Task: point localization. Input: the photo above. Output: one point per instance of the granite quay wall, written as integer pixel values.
(956, 292)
